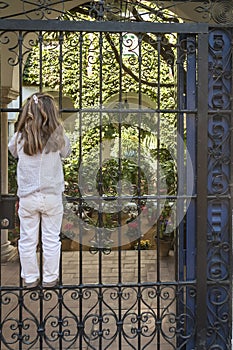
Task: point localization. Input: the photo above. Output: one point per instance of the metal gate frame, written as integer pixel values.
(213, 290)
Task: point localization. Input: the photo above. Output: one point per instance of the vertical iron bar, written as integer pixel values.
(1, 105)
(139, 182)
(40, 40)
(190, 221)
(120, 202)
(202, 151)
(80, 328)
(41, 334)
(231, 202)
(20, 291)
(179, 211)
(41, 329)
(60, 59)
(191, 143)
(20, 74)
(158, 192)
(180, 240)
(100, 213)
(0, 144)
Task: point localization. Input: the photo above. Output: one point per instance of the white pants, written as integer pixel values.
(33, 209)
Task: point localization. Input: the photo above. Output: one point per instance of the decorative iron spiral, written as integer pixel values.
(222, 12)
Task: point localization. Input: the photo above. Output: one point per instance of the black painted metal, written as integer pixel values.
(218, 12)
(219, 234)
(7, 211)
(106, 314)
(202, 160)
(89, 27)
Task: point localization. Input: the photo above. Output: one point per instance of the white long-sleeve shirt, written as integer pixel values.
(41, 172)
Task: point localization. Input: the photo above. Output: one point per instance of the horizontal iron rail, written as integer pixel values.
(113, 110)
(123, 111)
(180, 283)
(148, 197)
(111, 285)
(92, 26)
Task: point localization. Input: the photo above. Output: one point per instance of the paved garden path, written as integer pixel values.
(90, 303)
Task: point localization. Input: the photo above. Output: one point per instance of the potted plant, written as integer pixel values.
(164, 235)
(144, 244)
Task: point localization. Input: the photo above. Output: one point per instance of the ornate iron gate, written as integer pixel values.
(149, 111)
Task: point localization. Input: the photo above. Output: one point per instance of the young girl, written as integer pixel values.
(40, 144)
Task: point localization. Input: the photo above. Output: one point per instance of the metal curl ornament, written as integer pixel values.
(222, 12)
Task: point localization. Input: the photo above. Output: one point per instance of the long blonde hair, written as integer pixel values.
(39, 125)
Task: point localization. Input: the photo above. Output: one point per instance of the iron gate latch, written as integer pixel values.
(7, 211)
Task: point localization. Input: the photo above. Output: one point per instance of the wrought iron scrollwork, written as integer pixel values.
(218, 11)
(219, 162)
(210, 11)
(100, 319)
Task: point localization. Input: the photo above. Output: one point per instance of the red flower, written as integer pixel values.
(68, 226)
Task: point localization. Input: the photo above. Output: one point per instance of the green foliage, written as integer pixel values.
(12, 165)
(94, 73)
(168, 169)
(90, 64)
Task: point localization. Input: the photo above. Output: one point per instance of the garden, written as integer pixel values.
(121, 177)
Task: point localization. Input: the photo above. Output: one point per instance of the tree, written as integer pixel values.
(93, 62)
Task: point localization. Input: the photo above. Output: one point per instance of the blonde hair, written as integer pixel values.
(39, 125)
